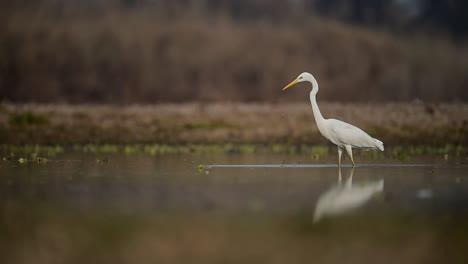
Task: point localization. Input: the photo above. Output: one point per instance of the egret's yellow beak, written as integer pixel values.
(290, 84)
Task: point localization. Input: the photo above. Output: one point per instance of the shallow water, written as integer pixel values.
(237, 208)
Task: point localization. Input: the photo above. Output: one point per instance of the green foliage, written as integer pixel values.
(28, 119)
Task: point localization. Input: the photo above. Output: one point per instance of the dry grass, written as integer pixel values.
(394, 123)
(140, 57)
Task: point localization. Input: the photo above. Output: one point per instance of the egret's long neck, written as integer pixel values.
(313, 101)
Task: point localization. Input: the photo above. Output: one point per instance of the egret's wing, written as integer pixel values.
(347, 134)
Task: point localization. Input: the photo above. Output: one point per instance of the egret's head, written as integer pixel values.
(305, 76)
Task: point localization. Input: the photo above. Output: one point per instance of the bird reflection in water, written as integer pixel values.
(343, 196)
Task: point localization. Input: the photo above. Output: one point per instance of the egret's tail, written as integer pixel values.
(379, 144)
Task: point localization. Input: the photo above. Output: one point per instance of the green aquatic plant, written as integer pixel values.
(41, 160)
(317, 152)
(33, 159)
(201, 168)
(247, 149)
(130, 149)
(277, 148)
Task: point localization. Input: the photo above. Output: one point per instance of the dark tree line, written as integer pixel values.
(441, 15)
(449, 15)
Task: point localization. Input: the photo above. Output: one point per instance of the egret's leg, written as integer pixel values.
(350, 153)
(340, 151)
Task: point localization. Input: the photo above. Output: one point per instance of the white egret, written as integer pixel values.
(343, 135)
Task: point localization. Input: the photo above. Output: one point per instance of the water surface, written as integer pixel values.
(246, 209)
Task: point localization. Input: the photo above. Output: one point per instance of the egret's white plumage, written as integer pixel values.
(343, 135)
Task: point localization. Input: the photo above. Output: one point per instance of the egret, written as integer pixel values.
(343, 135)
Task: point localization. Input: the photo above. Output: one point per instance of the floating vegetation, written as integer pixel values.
(23, 160)
(103, 160)
(34, 152)
(41, 160)
(201, 168)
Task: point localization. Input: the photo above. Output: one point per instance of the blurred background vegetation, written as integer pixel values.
(150, 51)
